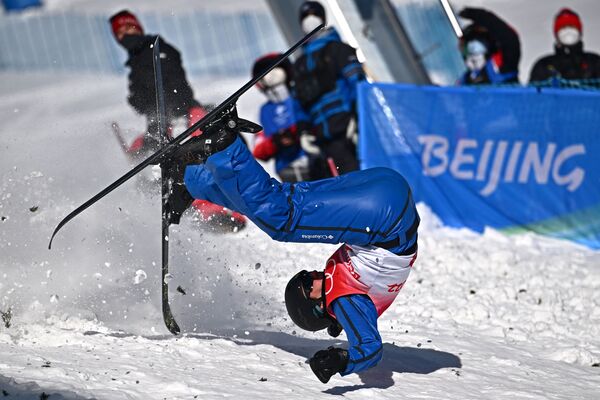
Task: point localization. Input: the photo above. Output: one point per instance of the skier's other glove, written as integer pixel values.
(326, 363)
(334, 329)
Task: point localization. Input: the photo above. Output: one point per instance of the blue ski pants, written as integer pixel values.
(372, 206)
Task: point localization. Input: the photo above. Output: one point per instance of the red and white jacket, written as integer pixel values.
(370, 270)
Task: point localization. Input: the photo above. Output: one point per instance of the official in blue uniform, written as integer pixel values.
(283, 121)
(326, 78)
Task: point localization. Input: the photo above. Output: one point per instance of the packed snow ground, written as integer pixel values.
(482, 316)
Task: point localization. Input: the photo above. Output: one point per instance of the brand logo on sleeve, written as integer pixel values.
(318, 237)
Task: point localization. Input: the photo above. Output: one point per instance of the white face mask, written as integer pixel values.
(475, 62)
(568, 36)
(278, 93)
(275, 77)
(310, 23)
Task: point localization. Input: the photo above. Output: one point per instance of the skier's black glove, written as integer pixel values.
(334, 329)
(326, 363)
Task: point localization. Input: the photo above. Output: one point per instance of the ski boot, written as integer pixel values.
(216, 137)
(221, 133)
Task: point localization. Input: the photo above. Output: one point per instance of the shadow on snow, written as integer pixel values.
(10, 389)
(395, 358)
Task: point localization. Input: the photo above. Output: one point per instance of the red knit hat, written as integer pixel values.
(567, 17)
(124, 17)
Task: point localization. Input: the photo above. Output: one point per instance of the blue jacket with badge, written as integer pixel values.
(278, 120)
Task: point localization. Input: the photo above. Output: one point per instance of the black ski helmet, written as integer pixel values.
(312, 8)
(303, 310)
(263, 63)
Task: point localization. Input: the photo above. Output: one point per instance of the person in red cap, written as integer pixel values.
(569, 61)
(179, 102)
(179, 97)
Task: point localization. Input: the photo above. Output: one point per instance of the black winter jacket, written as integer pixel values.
(567, 62)
(179, 96)
(326, 77)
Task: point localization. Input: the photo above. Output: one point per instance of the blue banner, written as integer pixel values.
(509, 158)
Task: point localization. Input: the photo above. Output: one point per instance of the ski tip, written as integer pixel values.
(174, 328)
(50, 243)
(60, 225)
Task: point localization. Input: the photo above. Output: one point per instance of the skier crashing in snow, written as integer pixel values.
(179, 97)
(371, 212)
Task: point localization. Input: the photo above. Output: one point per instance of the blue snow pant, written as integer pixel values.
(372, 206)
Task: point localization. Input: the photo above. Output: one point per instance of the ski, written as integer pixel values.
(166, 189)
(218, 115)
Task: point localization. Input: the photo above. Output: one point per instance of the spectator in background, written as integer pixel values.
(569, 61)
(491, 49)
(179, 97)
(179, 102)
(326, 77)
(283, 121)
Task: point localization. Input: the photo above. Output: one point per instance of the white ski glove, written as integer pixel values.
(309, 145)
(352, 131)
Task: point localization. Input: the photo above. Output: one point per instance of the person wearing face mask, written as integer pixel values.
(179, 102)
(569, 61)
(283, 122)
(326, 76)
(490, 48)
(179, 97)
